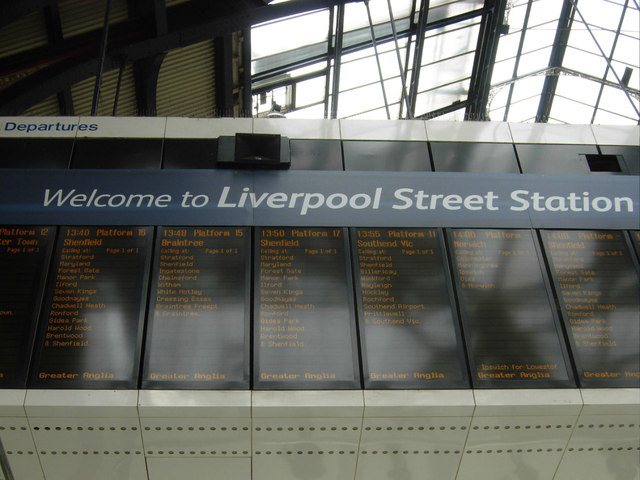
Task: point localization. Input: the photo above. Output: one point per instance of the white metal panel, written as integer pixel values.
(178, 127)
(180, 424)
(527, 402)
(197, 437)
(194, 403)
(199, 468)
(294, 448)
(310, 129)
(616, 135)
(492, 132)
(383, 130)
(418, 403)
(19, 447)
(82, 403)
(307, 404)
(516, 446)
(552, 134)
(102, 466)
(415, 448)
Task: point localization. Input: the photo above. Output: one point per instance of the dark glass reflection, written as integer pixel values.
(598, 287)
(197, 332)
(91, 328)
(511, 330)
(304, 326)
(408, 327)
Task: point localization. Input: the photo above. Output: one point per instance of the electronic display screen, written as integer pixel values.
(598, 287)
(408, 324)
(90, 331)
(199, 308)
(25, 253)
(511, 329)
(304, 320)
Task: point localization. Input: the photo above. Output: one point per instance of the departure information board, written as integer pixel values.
(513, 335)
(90, 333)
(304, 321)
(408, 325)
(24, 260)
(198, 324)
(635, 239)
(597, 283)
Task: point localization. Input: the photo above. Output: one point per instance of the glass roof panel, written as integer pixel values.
(594, 40)
(631, 21)
(446, 71)
(584, 62)
(355, 14)
(534, 61)
(566, 110)
(508, 46)
(615, 100)
(439, 9)
(441, 97)
(450, 42)
(543, 11)
(291, 67)
(603, 117)
(309, 92)
(539, 36)
(579, 89)
(524, 110)
(515, 15)
(503, 71)
(267, 39)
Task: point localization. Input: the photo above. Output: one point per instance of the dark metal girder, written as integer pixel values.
(417, 56)
(487, 47)
(557, 54)
(133, 40)
(245, 73)
(146, 72)
(223, 59)
(53, 24)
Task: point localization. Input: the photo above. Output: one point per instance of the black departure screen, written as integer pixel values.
(598, 287)
(513, 335)
(635, 239)
(24, 260)
(408, 325)
(90, 333)
(304, 326)
(198, 327)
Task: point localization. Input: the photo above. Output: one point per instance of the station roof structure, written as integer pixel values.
(556, 61)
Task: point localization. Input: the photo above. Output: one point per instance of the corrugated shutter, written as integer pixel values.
(82, 93)
(45, 108)
(186, 85)
(80, 16)
(28, 32)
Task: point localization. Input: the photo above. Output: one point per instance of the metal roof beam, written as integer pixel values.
(555, 61)
(146, 70)
(490, 31)
(54, 32)
(417, 56)
(223, 59)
